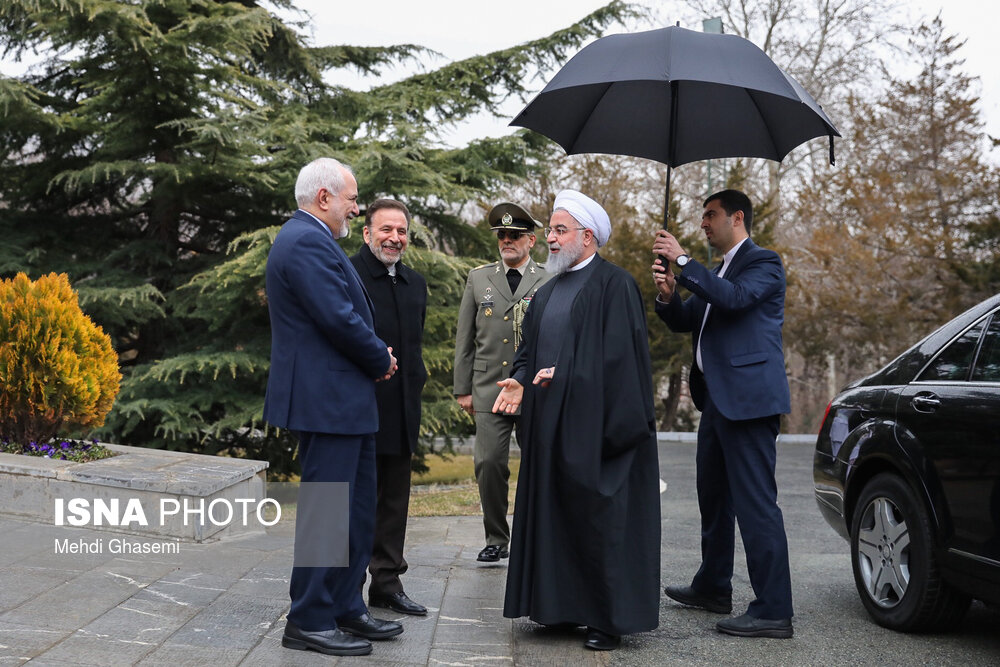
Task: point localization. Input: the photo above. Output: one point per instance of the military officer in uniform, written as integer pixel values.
(489, 331)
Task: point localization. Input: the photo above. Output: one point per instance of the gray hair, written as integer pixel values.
(324, 172)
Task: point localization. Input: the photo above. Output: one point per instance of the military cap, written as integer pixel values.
(507, 215)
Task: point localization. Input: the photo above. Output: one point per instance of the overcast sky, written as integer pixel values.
(461, 28)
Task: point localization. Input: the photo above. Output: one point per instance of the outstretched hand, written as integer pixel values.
(509, 400)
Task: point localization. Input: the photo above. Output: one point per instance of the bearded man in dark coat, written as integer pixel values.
(399, 296)
(585, 548)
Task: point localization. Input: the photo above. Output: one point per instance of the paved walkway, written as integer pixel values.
(224, 603)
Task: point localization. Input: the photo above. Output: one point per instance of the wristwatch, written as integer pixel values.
(682, 260)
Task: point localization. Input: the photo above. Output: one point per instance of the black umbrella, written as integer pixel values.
(675, 96)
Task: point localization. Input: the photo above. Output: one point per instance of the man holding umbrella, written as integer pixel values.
(738, 381)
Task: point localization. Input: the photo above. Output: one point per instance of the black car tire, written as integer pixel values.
(892, 548)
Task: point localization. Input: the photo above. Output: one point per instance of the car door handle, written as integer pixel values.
(925, 402)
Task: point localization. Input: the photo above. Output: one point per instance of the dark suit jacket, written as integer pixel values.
(400, 311)
(324, 351)
(741, 350)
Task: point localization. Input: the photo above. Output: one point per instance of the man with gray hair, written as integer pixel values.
(325, 361)
(585, 548)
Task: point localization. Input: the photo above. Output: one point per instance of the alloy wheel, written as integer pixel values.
(884, 552)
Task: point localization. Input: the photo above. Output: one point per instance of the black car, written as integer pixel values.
(907, 468)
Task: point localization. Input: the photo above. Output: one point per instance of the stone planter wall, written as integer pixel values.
(29, 487)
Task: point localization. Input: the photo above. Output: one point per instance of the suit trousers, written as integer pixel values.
(492, 459)
(735, 480)
(323, 595)
(393, 473)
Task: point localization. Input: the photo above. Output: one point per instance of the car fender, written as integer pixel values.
(874, 449)
(925, 482)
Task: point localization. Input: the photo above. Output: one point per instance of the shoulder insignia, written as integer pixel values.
(483, 266)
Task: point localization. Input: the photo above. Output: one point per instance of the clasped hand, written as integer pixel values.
(393, 367)
(665, 245)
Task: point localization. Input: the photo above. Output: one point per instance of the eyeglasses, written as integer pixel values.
(559, 230)
(512, 234)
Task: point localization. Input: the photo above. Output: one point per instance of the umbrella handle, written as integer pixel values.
(666, 199)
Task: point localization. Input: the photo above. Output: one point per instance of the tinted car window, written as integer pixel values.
(988, 364)
(954, 361)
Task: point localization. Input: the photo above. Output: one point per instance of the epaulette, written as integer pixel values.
(484, 266)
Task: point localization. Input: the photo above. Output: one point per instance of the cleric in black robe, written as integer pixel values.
(585, 547)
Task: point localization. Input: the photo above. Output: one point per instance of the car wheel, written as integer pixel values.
(895, 569)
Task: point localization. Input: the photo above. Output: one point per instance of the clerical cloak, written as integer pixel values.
(585, 546)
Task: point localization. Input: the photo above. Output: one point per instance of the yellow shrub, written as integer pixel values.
(58, 370)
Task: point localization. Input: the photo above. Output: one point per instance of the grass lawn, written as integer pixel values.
(449, 487)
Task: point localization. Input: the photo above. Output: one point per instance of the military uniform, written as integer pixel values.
(488, 331)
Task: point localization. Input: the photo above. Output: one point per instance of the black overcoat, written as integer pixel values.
(400, 310)
(585, 547)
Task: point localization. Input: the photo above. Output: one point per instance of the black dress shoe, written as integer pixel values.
(601, 641)
(748, 626)
(397, 602)
(331, 642)
(719, 604)
(370, 628)
(562, 627)
(491, 553)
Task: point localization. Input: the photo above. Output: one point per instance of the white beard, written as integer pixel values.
(380, 255)
(567, 256)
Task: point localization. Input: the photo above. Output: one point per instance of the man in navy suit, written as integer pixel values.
(325, 360)
(738, 381)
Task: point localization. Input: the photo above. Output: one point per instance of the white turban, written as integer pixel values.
(587, 212)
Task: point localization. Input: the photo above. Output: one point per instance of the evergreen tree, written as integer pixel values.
(161, 135)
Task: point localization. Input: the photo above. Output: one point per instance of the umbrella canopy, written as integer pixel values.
(676, 96)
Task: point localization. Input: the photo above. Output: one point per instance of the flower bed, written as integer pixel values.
(78, 451)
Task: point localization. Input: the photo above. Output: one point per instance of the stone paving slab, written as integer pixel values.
(77, 602)
(19, 642)
(193, 656)
(23, 583)
(23, 543)
(231, 621)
